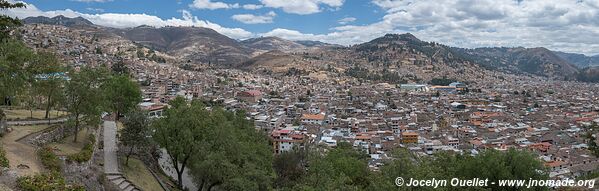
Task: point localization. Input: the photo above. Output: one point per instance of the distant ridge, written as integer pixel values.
(312, 43)
(538, 61)
(580, 60)
(59, 20)
(196, 44)
(272, 43)
(204, 45)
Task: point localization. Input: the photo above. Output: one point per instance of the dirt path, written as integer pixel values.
(19, 152)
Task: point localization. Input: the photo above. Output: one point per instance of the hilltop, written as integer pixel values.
(404, 55)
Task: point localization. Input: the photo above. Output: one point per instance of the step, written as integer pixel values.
(130, 188)
(113, 177)
(124, 184)
(118, 181)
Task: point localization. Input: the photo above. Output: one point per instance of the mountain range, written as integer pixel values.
(401, 52)
(273, 43)
(538, 61)
(193, 44)
(60, 20)
(580, 60)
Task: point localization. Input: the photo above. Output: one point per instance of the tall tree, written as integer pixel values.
(290, 167)
(237, 157)
(343, 168)
(14, 56)
(136, 131)
(492, 164)
(7, 24)
(591, 138)
(83, 97)
(29, 97)
(119, 68)
(122, 94)
(49, 76)
(181, 132)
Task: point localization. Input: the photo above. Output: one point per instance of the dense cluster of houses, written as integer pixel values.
(548, 118)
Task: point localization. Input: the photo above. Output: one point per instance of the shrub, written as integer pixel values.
(46, 182)
(3, 159)
(86, 153)
(49, 159)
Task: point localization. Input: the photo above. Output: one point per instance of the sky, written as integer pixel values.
(562, 25)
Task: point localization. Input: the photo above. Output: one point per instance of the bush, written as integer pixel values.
(49, 159)
(46, 182)
(3, 159)
(86, 153)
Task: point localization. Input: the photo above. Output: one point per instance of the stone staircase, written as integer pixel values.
(121, 182)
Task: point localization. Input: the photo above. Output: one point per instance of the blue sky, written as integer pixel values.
(564, 25)
(364, 12)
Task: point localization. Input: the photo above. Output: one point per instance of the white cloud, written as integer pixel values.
(255, 19)
(292, 34)
(301, 7)
(252, 6)
(564, 25)
(95, 9)
(346, 20)
(208, 4)
(118, 20)
(555, 24)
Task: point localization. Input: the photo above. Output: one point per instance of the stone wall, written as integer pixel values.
(89, 174)
(54, 133)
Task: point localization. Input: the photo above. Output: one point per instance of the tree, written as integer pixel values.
(119, 68)
(497, 165)
(492, 164)
(592, 139)
(443, 123)
(441, 81)
(181, 133)
(14, 56)
(290, 167)
(28, 97)
(236, 156)
(122, 94)
(343, 168)
(49, 77)
(42, 81)
(7, 24)
(221, 149)
(136, 131)
(83, 97)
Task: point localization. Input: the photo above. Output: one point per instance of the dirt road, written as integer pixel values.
(20, 153)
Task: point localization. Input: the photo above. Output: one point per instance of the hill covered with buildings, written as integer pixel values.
(396, 53)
